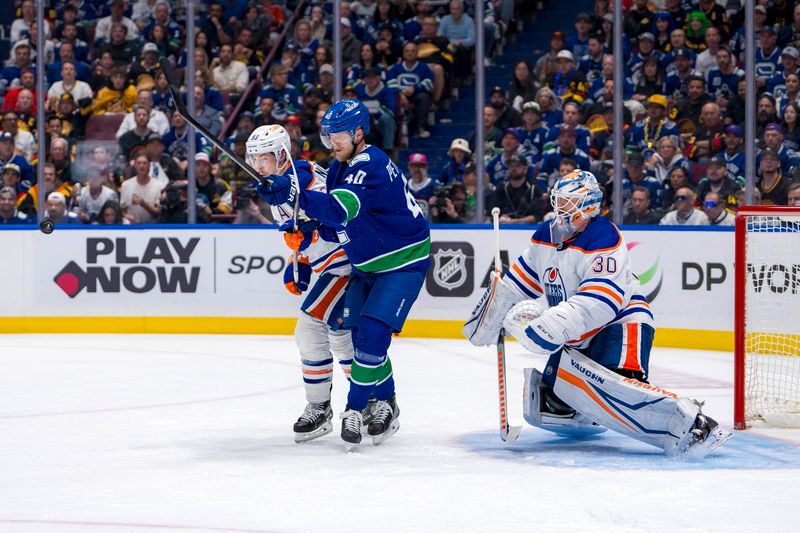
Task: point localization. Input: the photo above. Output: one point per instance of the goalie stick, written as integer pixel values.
(507, 433)
(172, 83)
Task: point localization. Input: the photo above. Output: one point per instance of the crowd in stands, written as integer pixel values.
(117, 152)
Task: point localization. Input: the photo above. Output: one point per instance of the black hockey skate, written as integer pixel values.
(554, 406)
(314, 422)
(385, 420)
(352, 420)
(705, 437)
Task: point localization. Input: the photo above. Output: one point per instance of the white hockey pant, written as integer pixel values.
(318, 345)
(635, 409)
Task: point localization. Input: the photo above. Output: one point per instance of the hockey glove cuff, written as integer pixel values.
(303, 276)
(301, 238)
(276, 190)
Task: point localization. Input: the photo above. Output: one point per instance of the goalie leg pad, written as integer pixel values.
(486, 320)
(576, 426)
(635, 409)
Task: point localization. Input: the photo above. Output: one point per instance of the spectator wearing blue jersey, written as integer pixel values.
(455, 168)
(161, 17)
(66, 53)
(723, 80)
(369, 59)
(414, 79)
(497, 167)
(773, 140)
(578, 42)
(733, 154)
(646, 133)
(678, 82)
(422, 186)
(564, 149)
(20, 60)
(286, 96)
(789, 60)
(7, 156)
(768, 56)
(571, 111)
(591, 63)
(636, 175)
(533, 133)
(8, 210)
(381, 102)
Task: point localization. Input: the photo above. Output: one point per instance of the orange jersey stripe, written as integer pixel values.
(604, 290)
(572, 380)
(519, 272)
(317, 372)
(585, 335)
(632, 349)
(328, 261)
(320, 309)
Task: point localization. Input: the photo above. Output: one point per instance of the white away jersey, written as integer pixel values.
(588, 278)
(323, 256)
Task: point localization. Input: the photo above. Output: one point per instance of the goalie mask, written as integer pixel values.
(273, 139)
(575, 198)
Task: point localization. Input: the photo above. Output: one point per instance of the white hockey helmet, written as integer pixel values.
(272, 139)
(576, 195)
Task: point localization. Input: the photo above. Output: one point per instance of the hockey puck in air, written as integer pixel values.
(47, 226)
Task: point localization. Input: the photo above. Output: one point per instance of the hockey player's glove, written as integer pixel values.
(303, 276)
(276, 190)
(299, 239)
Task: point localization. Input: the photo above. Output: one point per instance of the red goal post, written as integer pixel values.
(767, 316)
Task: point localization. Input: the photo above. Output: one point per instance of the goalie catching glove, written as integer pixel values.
(486, 320)
(539, 329)
(299, 239)
(303, 276)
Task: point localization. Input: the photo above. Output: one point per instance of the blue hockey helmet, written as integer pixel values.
(345, 115)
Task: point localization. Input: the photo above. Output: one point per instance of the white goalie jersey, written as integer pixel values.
(323, 256)
(587, 281)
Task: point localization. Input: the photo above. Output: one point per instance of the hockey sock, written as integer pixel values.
(384, 391)
(370, 366)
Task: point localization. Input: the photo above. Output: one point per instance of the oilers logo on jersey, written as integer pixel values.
(554, 287)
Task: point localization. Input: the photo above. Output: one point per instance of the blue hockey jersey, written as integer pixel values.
(377, 220)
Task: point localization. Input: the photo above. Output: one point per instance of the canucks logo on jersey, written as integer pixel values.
(554, 287)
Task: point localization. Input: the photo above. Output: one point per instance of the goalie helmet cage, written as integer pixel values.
(767, 316)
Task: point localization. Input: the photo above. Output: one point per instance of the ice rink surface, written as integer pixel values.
(191, 433)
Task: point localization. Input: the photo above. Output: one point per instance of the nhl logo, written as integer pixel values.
(449, 268)
(451, 271)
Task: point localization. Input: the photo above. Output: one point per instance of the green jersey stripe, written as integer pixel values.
(349, 202)
(398, 258)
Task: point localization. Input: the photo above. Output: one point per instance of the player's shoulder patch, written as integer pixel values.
(363, 157)
(601, 235)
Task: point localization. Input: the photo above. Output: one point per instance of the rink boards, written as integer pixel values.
(199, 279)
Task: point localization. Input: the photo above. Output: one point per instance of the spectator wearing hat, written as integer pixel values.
(717, 180)
(162, 167)
(683, 212)
(520, 200)
(768, 56)
(230, 75)
(421, 185)
(789, 65)
(773, 183)
(24, 142)
(459, 29)
(636, 174)
(8, 155)
(773, 140)
(325, 85)
(578, 42)
(716, 15)
(646, 133)
(723, 81)
(678, 82)
(639, 18)
(569, 83)
(572, 119)
(176, 142)
(12, 177)
(89, 199)
(213, 195)
(143, 72)
(533, 134)
(381, 101)
(56, 210)
(453, 170)
(497, 167)
(640, 212)
(646, 49)
(8, 208)
(546, 66)
(507, 116)
(733, 152)
(565, 149)
(414, 80)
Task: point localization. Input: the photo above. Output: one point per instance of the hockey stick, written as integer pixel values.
(296, 185)
(174, 88)
(507, 433)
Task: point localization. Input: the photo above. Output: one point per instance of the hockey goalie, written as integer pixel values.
(572, 297)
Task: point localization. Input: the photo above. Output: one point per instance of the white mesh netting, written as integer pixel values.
(772, 320)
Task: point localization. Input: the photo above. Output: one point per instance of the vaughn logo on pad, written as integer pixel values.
(452, 269)
(163, 266)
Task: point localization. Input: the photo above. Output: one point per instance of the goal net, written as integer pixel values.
(767, 317)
